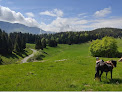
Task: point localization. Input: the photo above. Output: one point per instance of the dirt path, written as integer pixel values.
(26, 58)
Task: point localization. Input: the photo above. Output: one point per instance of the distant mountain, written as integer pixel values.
(16, 27)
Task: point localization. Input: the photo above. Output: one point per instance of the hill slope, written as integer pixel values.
(66, 67)
(115, 32)
(16, 27)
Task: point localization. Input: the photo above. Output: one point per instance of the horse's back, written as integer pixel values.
(105, 67)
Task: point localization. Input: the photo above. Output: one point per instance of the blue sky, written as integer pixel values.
(63, 15)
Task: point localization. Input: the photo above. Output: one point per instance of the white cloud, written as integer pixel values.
(54, 13)
(76, 24)
(103, 13)
(64, 24)
(16, 17)
(47, 13)
(58, 13)
(81, 14)
(30, 14)
(59, 24)
(115, 23)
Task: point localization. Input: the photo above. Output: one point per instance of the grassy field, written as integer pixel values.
(15, 58)
(64, 68)
(32, 46)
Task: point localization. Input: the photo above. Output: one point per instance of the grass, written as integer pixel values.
(65, 68)
(29, 45)
(15, 58)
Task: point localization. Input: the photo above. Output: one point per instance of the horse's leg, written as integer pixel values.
(101, 75)
(97, 72)
(106, 74)
(111, 74)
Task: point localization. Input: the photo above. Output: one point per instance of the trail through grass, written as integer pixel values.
(26, 58)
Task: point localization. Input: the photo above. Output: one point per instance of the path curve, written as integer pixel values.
(26, 58)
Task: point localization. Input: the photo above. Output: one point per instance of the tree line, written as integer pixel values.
(17, 41)
(11, 43)
(74, 37)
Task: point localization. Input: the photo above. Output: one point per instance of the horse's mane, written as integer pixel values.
(114, 62)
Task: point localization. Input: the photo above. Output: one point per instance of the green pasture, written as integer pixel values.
(63, 68)
(32, 46)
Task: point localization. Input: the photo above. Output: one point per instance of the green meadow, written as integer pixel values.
(63, 68)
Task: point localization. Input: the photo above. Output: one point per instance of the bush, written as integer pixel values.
(107, 47)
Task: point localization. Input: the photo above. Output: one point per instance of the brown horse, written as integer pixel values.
(106, 67)
(120, 60)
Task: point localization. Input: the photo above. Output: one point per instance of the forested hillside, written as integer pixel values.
(74, 37)
(16, 41)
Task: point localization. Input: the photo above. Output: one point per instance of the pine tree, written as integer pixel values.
(0, 44)
(43, 41)
(52, 43)
(17, 44)
(16, 47)
(23, 43)
(10, 45)
(38, 45)
(4, 42)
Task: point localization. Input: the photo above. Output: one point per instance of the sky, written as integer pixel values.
(63, 15)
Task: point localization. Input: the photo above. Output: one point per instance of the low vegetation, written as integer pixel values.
(60, 67)
(107, 47)
(64, 68)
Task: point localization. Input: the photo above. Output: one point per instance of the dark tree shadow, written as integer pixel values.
(22, 53)
(119, 55)
(12, 55)
(45, 52)
(114, 81)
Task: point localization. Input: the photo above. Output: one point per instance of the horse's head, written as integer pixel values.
(114, 63)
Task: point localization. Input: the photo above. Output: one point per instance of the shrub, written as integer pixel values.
(107, 47)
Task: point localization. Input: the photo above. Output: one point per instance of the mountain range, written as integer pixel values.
(16, 27)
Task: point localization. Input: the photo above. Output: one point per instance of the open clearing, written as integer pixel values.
(66, 68)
